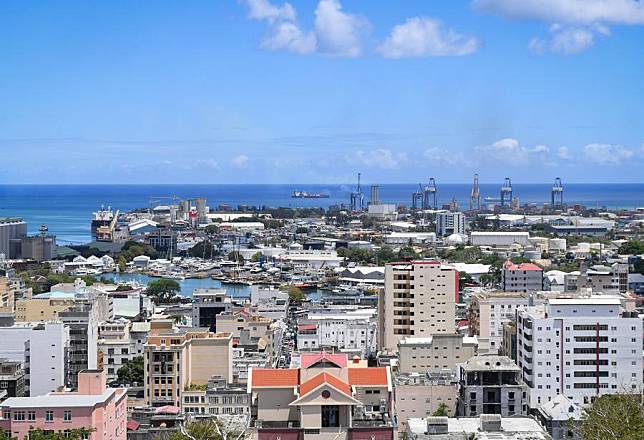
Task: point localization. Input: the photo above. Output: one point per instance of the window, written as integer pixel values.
(31, 416)
(67, 416)
(19, 416)
(49, 416)
(330, 416)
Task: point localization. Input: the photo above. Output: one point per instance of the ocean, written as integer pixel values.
(67, 209)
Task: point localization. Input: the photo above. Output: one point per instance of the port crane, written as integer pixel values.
(557, 194)
(357, 198)
(506, 193)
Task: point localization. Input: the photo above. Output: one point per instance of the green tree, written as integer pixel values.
(257, 256)
(163, 291)
(295, 294)
(464, 278)
(122, 262)
(212, 229)
(131, 371)
(74, 434)
(199, 430)
(631, 247)
(203, 249)
(614, 417)
(236, 256)
(442, 410)
(638, 266)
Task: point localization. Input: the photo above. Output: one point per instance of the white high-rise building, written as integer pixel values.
(579, 347)
(448, 223)
(419, 300)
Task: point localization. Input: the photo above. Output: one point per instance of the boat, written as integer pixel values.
(102, 218)
(309, 195)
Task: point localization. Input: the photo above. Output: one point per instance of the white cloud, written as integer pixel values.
(335, 32)
(510, 151)
(575, 23)
(380, 158)
(564, 153)
(568, 11)
(338, 32)
(288, 36)
(607, 154)
(239, 161)
(566, 40)
(265, 10)
(424, 36)
(440, 155)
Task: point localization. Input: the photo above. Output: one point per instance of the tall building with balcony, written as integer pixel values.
(448, 223)
(492, 385)
(328, 397)
(176, 359)
(579, 347)
(419, 300)
(207, 304)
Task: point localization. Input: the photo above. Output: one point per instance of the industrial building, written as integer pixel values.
(11, 231)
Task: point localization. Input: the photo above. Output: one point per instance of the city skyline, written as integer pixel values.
(254, 91)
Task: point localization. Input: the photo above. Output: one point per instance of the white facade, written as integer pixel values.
(499, 238)
(410, 237)
(41, 348)
(524, 277)
(448, 223)
(581, 347)
(350, 331)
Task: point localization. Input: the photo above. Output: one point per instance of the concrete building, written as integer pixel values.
(327, 398)
(42, 350)
(405, 238)
(119, 342)
(207, 304)
(11, 231)
(579, 347)
(561, 417)
(351, 331)
(44, 307)
(484, 427)
(218, 398)
(604, 279)
(492, 385)
(524, 277)
(499, 239)
(421, 395)
(434, 354)
(418, 300)
(448, 223)
(38, 247)
(176, 359)
(94, 405)
(488, 312)
(382, 211)
(12, 378)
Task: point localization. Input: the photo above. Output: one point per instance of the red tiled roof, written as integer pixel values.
(307, 327)
(509, 265)
(275, 377)
(376, 376)
(132, 425)
(168, 409)
(308, 359)
(327, 378)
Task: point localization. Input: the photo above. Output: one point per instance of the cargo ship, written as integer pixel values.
(103, 217)
(308, 195)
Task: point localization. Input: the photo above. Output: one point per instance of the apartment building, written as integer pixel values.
(217, 398)
(328, 397)
(483, 427)
(44, 307)
(488, 312)
(448, 223)
(604, 279)
(119, 342)
(176, 359)
(418, 300)
(434, 354)
(12, 378)
(42, 349)
(579, 347)
(421, 395)
(353, 330)
(93, 405)
(492, 385)
(7, 296)
(523, 277)
(207, 304)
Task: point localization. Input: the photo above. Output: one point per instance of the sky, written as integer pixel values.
(252, 91)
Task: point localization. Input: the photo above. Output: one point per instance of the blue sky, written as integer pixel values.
(227, 91)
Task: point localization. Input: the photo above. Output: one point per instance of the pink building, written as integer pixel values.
(93, 406)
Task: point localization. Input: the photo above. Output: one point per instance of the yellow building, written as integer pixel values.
(176, 359)
(7, 295)
(43, 307)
